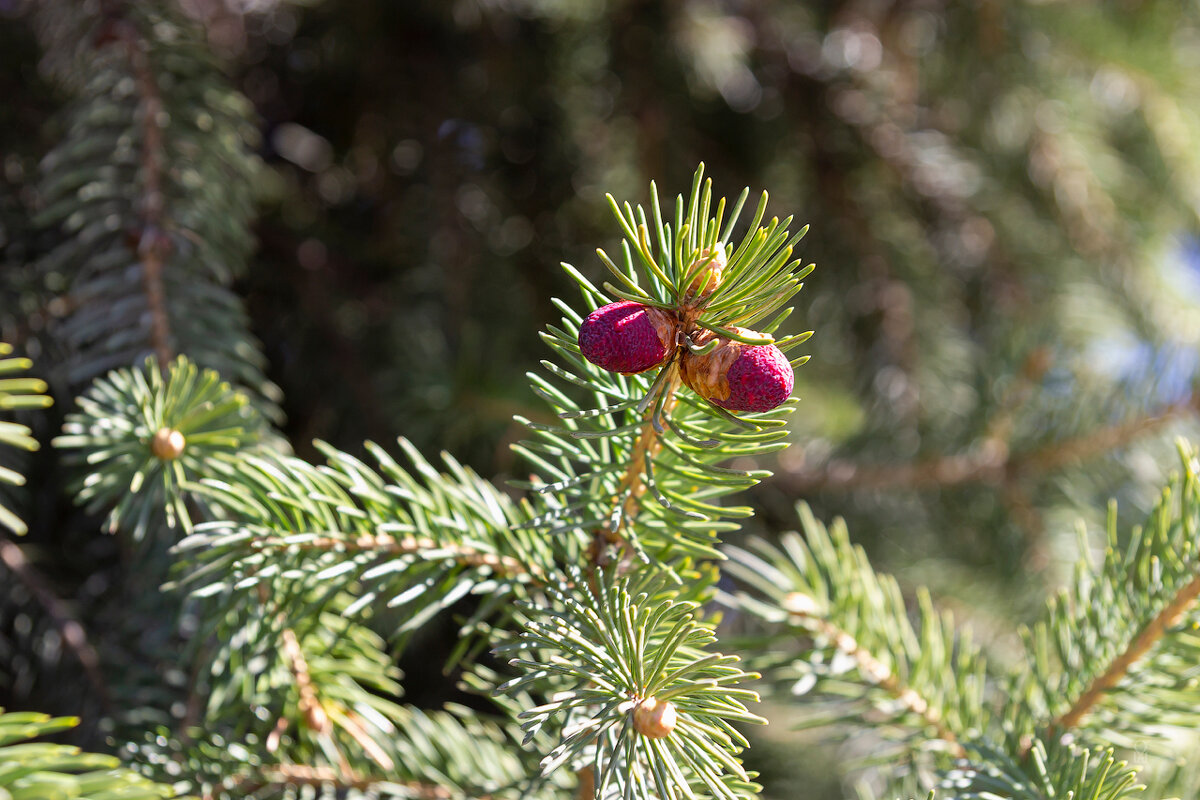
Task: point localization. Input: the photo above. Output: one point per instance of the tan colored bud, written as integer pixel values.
(654, 718)
(709, 277)
(799, 604)
(167, 444)
(705, 374)
(315, 718)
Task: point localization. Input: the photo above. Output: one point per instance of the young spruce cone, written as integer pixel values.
(627, 337)
(736, 376)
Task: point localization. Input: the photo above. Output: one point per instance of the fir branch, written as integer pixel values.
(139, 437)
(37, 770)
(385, 544)
(632, 485)
(312, 710)
(1051, 770)
(585, 788)
(72, 632)
(878, 673)
(607, 660)
(638, 469)
(310, 705)
(1111, 638)
(453, 754)
(625, 508)
(325, 677)
(153, 246)
(17, 393)
(926, 677)
(145, 255)
(417, 541)
(649, 486)
(990, 463)
(1146, 638)
(1106, 439)
(303, 775)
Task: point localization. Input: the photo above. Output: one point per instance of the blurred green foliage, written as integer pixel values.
(1003, 200)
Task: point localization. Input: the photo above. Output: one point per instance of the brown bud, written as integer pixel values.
(709, 277)
(654, 718)
(167, 444)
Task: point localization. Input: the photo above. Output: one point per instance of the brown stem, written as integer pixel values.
(1141, 643)
(877, 673)
(69, 628)
(1000, 425)
(351, 723)
(989, 464)
(194, 707)
(628, 499)
(1104, 439)
(304, 775)
(941, 471)
(504, 566)
(633, 482)
(587, 784)
(309, 705)
(153, 243)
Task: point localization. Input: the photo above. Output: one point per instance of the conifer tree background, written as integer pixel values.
(347, 219)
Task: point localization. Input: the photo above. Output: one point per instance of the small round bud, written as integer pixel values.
(738, 377)
(709, 277)
(799, 604)
(167, 444)
(654, 718)
(315, 718)
(627, 337)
